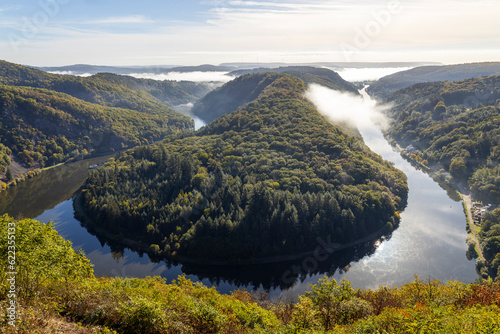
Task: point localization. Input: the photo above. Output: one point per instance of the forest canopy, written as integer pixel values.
(43, 127)
(46, 118)
(250, 84)
(267, 179)
(455, 126)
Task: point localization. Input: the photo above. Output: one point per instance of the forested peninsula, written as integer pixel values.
(267, 179)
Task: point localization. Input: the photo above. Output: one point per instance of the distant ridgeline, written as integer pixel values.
(47, 118)
(391, 83)
(248, 87)
(456, 126)
(265, 180)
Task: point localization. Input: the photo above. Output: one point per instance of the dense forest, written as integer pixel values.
(267, 179)
(309, 74)
(57, 292)
(490, 243)
(110, 90)
(389, 84)
(172, 93)
(248, 87)
(46, 119)
(455, 126)
(43, 127)
(4, 157)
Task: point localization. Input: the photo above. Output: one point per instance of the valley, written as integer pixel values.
(388, 249)
(279, 189)
(249, 167)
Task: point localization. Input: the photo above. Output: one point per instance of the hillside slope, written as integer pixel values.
(232, 95)
(47, 119)
(172, 93)
(391, 83)
(248, 87)
(455, 126)
(106, 90)
(265, 180)
(44, 127)
(57, 292)
(309, 74)
(451, 123)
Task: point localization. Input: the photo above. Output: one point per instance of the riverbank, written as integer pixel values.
(454, 190)
(86, 221)
(22, 173)
(467, 203)
(325, 247)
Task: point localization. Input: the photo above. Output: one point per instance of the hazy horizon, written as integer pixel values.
(193, 32)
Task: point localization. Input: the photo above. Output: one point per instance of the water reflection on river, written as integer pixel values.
(430, 240)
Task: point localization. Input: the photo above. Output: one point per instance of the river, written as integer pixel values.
(430, 240)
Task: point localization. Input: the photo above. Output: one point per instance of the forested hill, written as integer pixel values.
(268, 179)
(43, 127)
(453, 125)
(108, 89)
(247, 87)
(456, 126)
(309, 74)
(391, 83)
(170, 92)
(47, 119)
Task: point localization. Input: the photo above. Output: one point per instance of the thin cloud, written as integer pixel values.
(186, 76)
(123, 20)
(269, 4)
(275, 31)
(9, 8)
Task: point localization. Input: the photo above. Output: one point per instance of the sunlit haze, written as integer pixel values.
(193, 32)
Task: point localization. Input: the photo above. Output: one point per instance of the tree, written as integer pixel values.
(458, 168)
(9, 176)
(327, 297)
(42, 256)
(439, 111)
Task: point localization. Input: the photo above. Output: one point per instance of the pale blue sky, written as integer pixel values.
(156, 32)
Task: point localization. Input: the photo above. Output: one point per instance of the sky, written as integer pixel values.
(194, 32)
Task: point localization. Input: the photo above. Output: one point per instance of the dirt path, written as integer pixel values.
(468, 205)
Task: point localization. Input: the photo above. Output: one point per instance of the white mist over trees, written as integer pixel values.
(358, 111)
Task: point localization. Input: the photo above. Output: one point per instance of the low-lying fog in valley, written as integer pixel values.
(368, 74)
(196, 76)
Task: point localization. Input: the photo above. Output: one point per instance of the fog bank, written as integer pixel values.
(344, 107)
(196, 76)
(358, 111)
(370, 74)
(71, 73)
